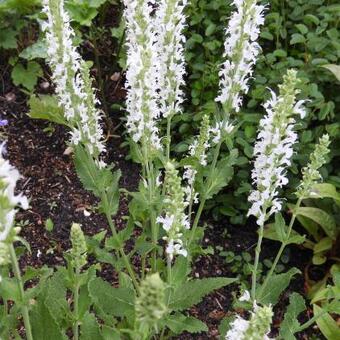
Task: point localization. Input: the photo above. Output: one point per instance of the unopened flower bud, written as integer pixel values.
(150, 304)
(79, 247)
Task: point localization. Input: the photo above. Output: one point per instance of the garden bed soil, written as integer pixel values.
(37, 149)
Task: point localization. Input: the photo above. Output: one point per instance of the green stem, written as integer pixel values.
(282, 247)
(207, 186)
(121, 250)
(256, 263)
(311, 321)
(168, 138)
(24, 309)
(76, 307)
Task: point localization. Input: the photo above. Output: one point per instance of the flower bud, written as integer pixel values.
(79, 248)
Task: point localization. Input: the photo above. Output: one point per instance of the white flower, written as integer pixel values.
(166, 221)
(274, 149)
(241, 51)
(8, 200)
(237, 329)
(220, 129)
(71, 78)
(169, 27)
(141, 75)
(245, 296)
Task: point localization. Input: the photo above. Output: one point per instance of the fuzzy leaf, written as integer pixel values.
(90, 329)
(113, 301)
(290, 323)
(322, 190)
(178, 323)
(275, 286)
(192, 292)
(27, 76)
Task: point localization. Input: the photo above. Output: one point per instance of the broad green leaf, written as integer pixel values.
(46, 107)
(44, 326)
(335, 69)
(270, 232)
(8, 38)
(325, 220)
(280, 227)
(275, 286)
(97, 180)
(27, 76)
(37, 50)
(327, 325)
(9, 290)
(180, 271)
(221, 175)
(90, 329)
(322, 190)
(178, 323)
(290, 323)
(323, 245)
(181, 298)
(113, 301)
(56, 300)
(109, 333)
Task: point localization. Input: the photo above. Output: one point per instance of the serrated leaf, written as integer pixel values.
(178, 323)
(112, 301)
(275, 286)
(321, 217)
(180, 299)
(90, 329)
(9, 290)
(46, 107)
(327, 325)
(290, 324)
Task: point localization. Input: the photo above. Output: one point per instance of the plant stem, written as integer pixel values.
(24, 309)
(168, 137)
(256, 263)
(282, 247)
(76, 307)
(203, 197)
(311, 321)
(121, 250)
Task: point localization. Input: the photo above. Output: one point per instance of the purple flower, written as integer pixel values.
(3, 122)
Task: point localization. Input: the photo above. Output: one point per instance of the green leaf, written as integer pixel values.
(290, 323)
(37, 50)
(27, 76)
(180, 271)
(49, 225)
(44, 326)
(275, 286)
(112, 301)
(335, 69)
(97, 180)
(46, 107)
(297, 38)
(270, 232)
(55, 300)
(323, 245)
(178, 323)
(325, 220)
(327, 325)
(323, 190)
(221, 175)
(280, 227)
(181, 299)
(8, 38)
(90, 329)
(9, 290)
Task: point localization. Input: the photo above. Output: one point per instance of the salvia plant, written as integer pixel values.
(150, 300)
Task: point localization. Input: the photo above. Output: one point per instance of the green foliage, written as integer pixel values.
(27, 76)
(297, 34)
(180, 299)
(290, 323)
(326, 324)
(275, 286)
(179, 323)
